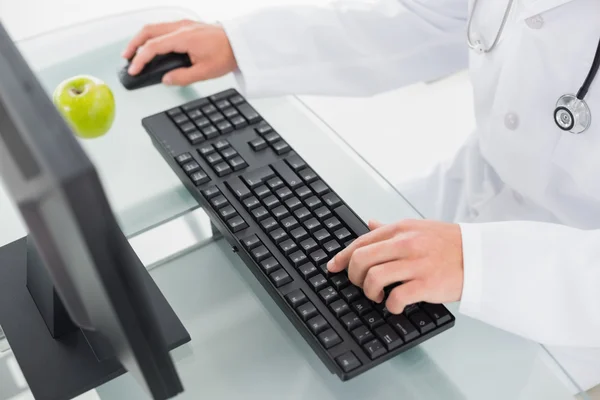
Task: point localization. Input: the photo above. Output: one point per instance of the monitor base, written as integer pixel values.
(60, 369)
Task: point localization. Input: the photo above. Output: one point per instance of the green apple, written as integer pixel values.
(87, 104)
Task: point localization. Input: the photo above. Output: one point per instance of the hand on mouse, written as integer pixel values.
(425, 255)
(207, 46)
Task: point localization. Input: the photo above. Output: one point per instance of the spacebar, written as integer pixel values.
(355, 224)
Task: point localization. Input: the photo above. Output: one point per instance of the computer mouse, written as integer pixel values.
(154, 71)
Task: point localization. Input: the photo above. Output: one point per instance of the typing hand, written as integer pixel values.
(425, 255)
(207, 46)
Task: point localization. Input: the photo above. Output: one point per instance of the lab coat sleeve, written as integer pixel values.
(537, 280)
(355, 48)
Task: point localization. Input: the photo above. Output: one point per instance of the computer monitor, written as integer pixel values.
(76, 303)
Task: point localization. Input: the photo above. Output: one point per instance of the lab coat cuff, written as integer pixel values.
(243, 56)
(470, 303)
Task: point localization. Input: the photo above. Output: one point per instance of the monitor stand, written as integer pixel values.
(60, 361)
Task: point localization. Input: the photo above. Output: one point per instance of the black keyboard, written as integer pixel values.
(285, 222)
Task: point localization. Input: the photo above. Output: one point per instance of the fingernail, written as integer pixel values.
(131, 70)
(167, 80)
(330, 265)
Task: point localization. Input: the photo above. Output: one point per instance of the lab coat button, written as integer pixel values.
(511, 121)
(535, 22)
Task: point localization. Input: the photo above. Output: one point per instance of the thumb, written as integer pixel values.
(374, 225)
(185, 76)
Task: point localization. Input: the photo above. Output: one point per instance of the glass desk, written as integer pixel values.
(242, 344)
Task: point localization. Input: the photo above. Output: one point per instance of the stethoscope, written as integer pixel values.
(572, 113)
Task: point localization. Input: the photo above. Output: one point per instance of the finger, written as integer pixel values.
(147, 33)
(341, 259)
(162, 45)
(373, 254)
(382, 275)
(375, 225)
(186, 76)
(409, 292)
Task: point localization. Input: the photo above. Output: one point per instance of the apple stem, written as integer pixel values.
(76, 91)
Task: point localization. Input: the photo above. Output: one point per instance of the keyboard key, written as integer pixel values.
(328, 295)
(329, 338)
(403, 327)
(228, 153)
(307, 175)
(288, 247)
(222, 169)
(227, 212)
(351, 220)
(248, 112)
(340, 308)
(303, 192)
(332, 247)
(302, 214)
(280, 213)
(318, 257)
(280, 277)
(275, 183)
(281, 147)
(214, 158)
(195, 137)
(307, 270)
(222, 104)
(322, 236)
(251, 202)
(208, 109)
(317, 324)
(375, 349)
(221, 145)
(296, 298)
(348, 361)
(199, 178)
(238, 188)
(271, 137)
(284, 193)
(309, 245)
(285, 172)
(251, 242)
(373, 319)
(260, 213)
(202, 122)
(210, 192)
(219, 201)
(216, 118)
(260, 253)
(238, 121)
(258, 176)
(342, 234)
(307, 311)
(181, 119)
(295, 162)
(318, 282)
(191, 167)
(322, 213)
(236, 224)
(230, 112)
(437, 312)
(238, 163)
(293, 203)
(388, 337)
(351, 293)
(224, 95)
(262, 191)
(206, 150)
(188, 127)
(278, 235)
(351, 321)
(297, 258)
(339, 281)
(270, 265)
(196, 104)
(183, 158)
(290, 223)
(268, 224)
(423, 323)
(313, 203)
(333, 223)
(258, 144)
(312, 225)
(263, 128)
(225, 127)
(319, 187)
(271, 202)
(299, 234)
(174, 112)
(383, 310)
(210, 132)
(362, 334)
(237, 99)
(362, 306)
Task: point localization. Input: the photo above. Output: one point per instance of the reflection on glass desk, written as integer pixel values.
(242, 344)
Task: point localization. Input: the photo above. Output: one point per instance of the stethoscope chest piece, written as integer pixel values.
(572, 115)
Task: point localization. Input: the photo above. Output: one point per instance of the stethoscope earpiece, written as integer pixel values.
(572, 115)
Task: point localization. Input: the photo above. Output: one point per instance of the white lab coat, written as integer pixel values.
(526, 194)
